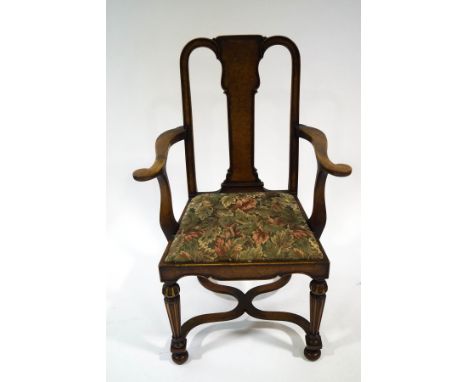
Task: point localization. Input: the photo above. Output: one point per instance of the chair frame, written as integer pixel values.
(240, 56)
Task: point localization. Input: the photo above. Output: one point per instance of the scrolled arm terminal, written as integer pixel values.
(319, 142)
(169, 224)
(163, 143)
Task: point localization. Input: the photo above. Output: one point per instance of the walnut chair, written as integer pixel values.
(243, 231)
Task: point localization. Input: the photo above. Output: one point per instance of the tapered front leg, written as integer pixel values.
(172, 302)
(318, 289)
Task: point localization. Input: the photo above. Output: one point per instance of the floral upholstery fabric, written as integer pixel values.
(243, 227)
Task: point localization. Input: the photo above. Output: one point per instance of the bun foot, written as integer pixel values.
(180, 358)
(311, 354)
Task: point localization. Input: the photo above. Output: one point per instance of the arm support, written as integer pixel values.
(158, 170)
(318, 139)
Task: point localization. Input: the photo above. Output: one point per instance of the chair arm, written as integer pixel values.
(163, 143)
(319, 142)
(318, 139)
(167, 220)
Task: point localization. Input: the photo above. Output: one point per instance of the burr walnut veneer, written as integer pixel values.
(243, 231)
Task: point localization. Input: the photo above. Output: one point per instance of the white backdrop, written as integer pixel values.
(144, 40)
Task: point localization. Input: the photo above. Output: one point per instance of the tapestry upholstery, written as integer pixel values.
(243, 227)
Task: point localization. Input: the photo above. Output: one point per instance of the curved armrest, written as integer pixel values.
(163, 143)
(158, 170)
(319, 141)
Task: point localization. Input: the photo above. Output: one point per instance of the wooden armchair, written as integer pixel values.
(243, 231)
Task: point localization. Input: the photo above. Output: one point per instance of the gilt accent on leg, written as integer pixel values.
(172, 302)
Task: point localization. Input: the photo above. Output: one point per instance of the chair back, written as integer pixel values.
(240, 56)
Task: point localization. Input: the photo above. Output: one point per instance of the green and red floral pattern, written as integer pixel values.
(243, 227)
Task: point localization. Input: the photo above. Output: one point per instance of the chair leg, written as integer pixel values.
(172, 302)
(318, 289)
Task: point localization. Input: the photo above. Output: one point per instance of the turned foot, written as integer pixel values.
(312, 355)
(313, 346)
(179, 354)
(180, 358)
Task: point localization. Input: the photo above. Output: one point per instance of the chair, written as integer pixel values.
(242, 231)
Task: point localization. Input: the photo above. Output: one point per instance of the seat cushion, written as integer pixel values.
(243, 227)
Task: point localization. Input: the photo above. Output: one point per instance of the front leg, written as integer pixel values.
(318, 289)
(172, 302)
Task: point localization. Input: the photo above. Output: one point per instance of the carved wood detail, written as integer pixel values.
(240, 57)
(179, 342)
(318, 290)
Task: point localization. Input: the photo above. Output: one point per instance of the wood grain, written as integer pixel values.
(240, 56)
